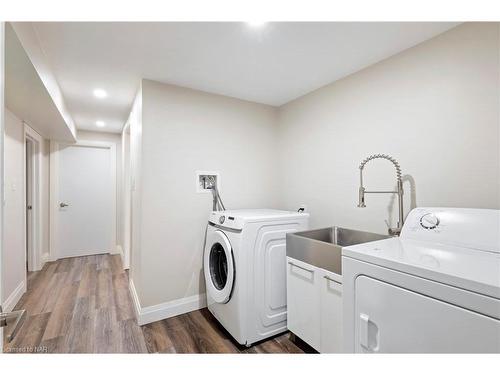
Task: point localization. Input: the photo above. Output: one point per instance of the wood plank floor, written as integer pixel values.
(82, 305)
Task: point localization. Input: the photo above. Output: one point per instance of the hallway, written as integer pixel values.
(79, 305)
(82, 305)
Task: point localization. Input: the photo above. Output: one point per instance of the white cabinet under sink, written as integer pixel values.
(303, 301)
(331, 313)
(314, 299)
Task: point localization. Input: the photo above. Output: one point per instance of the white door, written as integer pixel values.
(85, 209)
(390, 319)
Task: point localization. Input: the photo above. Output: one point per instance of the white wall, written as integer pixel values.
(114, 138)
(184, 131)
(14, 248)
(434, 107)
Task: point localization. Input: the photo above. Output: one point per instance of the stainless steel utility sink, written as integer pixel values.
(323, 247)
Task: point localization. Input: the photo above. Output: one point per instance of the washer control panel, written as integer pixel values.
(429, 221)
(224, 220)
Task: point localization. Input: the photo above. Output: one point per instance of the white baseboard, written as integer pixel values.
(45, 259)
(165, 310)
(172, 308)
(135, 298)
(119, 251)
(14, 297)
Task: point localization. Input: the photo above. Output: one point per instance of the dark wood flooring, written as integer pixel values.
(83, 305)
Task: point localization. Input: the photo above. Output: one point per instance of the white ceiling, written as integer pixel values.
(273, 64)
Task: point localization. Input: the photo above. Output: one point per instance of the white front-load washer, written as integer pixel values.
(435, 289)
(245, 270)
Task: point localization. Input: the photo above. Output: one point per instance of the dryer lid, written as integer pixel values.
(473, 270)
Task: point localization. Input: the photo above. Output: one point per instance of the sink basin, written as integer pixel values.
(323, 247)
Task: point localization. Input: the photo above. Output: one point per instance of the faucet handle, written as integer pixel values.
(361, 202)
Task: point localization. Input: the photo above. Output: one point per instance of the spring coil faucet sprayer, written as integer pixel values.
(362, 191)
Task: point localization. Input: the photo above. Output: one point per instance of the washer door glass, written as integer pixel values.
(218, 266)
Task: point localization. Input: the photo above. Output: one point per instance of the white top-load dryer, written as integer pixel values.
(245, 270)
(435, 289)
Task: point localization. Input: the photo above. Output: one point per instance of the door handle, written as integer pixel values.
(301, 267)
(19, 316)
(332, 280)
(62, 205)
(363, 330)
(368, 333)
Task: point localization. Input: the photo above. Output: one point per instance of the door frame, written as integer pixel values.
(54, 191)
(126, 197)
(35, 253)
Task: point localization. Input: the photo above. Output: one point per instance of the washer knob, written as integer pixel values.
(429, 221)
(222, 219)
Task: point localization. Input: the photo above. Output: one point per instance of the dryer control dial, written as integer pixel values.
(429, 221)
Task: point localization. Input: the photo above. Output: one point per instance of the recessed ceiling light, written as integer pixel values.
(256, 23)
(100, 93)
(100, 124)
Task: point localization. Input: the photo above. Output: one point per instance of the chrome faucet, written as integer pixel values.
(362, 191)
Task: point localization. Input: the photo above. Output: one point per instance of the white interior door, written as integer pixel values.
(85, 209)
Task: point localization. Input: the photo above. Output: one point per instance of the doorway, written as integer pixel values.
(83, 199)
(32, 188)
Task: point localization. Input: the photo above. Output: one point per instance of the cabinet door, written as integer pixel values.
(303, 301)
(390, 319)
(331, 312)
